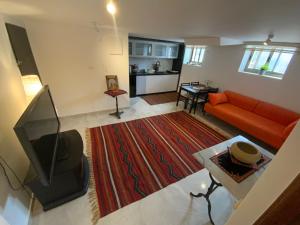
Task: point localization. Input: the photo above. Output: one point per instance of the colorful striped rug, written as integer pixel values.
(133, 159)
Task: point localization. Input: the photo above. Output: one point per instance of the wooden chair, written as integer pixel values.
(195, 83)
(202, 98)
(184, 96)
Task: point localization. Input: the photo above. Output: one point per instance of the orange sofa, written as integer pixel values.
(270, 123)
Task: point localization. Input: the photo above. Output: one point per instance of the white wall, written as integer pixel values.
(74, 60)
(221, 65)
(212, 41)
(13, 205)
(279, 174)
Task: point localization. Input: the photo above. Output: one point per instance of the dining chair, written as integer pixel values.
(184, 96)
(195, 83)
(202, 98)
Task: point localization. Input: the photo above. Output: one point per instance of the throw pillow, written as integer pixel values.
(217, 98)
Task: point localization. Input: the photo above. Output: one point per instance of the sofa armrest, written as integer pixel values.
(289, 128)
(217, 98)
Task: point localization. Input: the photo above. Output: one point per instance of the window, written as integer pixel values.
(194, 55)
(271, 61)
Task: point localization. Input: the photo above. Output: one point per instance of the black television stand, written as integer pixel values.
(71, 174)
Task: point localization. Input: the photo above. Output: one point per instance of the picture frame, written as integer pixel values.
(112, 82)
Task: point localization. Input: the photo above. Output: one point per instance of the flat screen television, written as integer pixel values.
(38, 132)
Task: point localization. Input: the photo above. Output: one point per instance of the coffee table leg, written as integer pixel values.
(213, 186)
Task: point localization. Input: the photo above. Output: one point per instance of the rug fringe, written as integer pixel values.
(92, 195)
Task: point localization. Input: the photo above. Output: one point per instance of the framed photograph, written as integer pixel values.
(112, 82)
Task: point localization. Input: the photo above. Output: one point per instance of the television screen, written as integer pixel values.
(38, 132)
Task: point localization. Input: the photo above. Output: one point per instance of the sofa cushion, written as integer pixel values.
(241, 101)
(275, 113)
(217, 98)
(264, 129)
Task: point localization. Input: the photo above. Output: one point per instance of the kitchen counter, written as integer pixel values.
(147, 83)
(153, 74)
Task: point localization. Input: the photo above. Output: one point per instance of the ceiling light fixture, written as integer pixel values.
(111, 7)
(269, 41)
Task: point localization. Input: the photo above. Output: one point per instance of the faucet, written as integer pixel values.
(156, 66)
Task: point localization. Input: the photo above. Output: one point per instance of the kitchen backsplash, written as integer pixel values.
(147, 63)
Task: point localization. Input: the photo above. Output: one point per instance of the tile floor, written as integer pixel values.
(169, 206)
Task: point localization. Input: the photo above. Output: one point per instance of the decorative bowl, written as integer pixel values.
(245, 152)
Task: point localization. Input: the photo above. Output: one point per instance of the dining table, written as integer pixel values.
(194, 91)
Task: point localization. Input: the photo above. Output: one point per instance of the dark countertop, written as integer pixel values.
(153, 74)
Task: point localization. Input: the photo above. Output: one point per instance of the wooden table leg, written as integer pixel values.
(192, 104)
(196, 103)
(178, 96)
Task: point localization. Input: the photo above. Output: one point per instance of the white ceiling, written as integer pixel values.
(247, 20)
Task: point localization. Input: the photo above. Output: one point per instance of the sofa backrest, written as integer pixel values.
(241, 101)
(276, 113)
(264, 109)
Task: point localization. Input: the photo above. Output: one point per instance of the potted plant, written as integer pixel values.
(264, 68)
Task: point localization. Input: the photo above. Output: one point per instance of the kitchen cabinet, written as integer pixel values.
(152, 49)
(166, 50)
(143, 49)
(156, 83)
(130, 48)
(172, 51)
(160, 50)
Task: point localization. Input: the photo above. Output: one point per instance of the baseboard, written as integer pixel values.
(164, 92)
(99, 111)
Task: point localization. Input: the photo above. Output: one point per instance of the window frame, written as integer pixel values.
(192, 59)
(272, 50)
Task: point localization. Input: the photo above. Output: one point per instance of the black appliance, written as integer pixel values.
(59, 170)
(132, 86)
(177, 63)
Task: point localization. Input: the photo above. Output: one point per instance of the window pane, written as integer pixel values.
(273, 61)
(202, 55)
(253, 59)
(245, 60)
(262, 59)
(283, 62)
(187, 55)
(197, 54)
(193, 55)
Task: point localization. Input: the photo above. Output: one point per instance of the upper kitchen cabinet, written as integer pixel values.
(172, 51)
(165, 50)
(130, 48)
(142, 49)
(160, 50)
(152, 49)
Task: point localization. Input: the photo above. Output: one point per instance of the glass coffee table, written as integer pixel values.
(220, 178)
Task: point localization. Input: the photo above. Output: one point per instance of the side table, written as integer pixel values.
(220, 179)
(115, 94)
